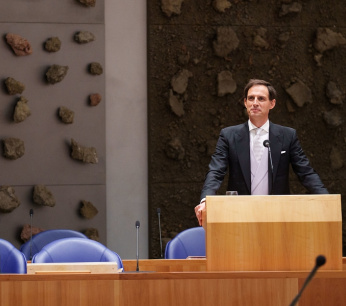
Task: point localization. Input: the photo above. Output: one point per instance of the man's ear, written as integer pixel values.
(272, 103)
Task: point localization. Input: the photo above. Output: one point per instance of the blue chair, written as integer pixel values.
(11, 259)
(31, 247)
(76, 250)
(190, 242)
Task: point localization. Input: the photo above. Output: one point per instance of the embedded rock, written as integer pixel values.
(8, 199)
(19, 45)
(43, 196)
(95, 68)
(221, 5)
(92, 233)
(88, 210)
(84, 37)
(226, 84)
(292, 8)
(226, 41)
(13, 148)
(95, 99)
(175, 150)
(171, 7)
(89, 3)
(300, 93)
(21, 111)
(13, 86)
(335, 95)
(180, 81)
(84, 154)
(177, 105)
(259, 39)
(56, 73)
(52, 44)
(27, 229)
(326, 39)
(333, 118)
(66, 115)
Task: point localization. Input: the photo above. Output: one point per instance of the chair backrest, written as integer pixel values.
(76, 250)
(31, 247)
(11, 259)
(190, 242)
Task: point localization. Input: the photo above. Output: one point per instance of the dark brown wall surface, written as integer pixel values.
(274, 44)
(47, 158)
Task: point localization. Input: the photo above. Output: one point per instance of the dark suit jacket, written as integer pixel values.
(233, 153)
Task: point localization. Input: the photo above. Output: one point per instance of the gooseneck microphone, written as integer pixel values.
(31, 212)
(266, 143)
(137, 252)
(320, 261)
(158, 214)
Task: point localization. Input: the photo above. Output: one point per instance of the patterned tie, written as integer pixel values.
(257, 146)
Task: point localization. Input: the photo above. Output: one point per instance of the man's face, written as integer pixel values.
(258, 104)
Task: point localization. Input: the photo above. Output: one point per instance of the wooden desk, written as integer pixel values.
(172, 288)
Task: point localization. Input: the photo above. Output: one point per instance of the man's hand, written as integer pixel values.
(198, 211)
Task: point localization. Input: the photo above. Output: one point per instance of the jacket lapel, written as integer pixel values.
(276, 140)
(242, 145)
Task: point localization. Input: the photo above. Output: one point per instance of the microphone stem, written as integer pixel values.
(160, 237)
(137, 253)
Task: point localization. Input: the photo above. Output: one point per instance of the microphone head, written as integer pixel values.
(266, 143)
(159, 210)
(137, 224)
(31, 212)
(320, 260)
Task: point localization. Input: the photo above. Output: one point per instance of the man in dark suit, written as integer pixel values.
(241, 151)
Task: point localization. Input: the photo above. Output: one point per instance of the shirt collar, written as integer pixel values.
(264, 127)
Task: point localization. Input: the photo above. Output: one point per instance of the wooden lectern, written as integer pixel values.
(273, 233)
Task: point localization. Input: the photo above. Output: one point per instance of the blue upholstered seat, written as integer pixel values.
(76, 250)
(30, 248)
(190, 242)
(11, 259)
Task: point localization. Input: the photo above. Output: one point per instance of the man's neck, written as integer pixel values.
(258, 123)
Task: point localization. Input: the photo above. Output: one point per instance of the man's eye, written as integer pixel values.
(251, 98)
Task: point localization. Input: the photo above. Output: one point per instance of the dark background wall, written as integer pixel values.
(284, 42)
(47, 159)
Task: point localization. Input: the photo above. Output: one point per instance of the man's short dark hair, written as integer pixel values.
(253, 82)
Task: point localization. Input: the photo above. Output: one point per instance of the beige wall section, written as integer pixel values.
(126, 126)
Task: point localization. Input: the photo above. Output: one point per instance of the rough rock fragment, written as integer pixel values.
(95, 99)
(180, 81)
(326, 39)
(333, 118)
(56, 73)
(300, 93)
(177, 105)
(43, 196)
(13, 148)
(226, 84)
(335, 95)
(84, 37)
(19, 45)
(226, 41)
(66, 115)
(95, 68)
(88, 210)
(221, 5)
(8, 199)
(84, 154)
(52, 44)
(292, 8)
(27, 229)
(259, 39)
(13, 86)
(336, 160)
(283, 38)
(92, 233)
(21, 111)
(171, 7)
(175, 150)
(89, 3)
